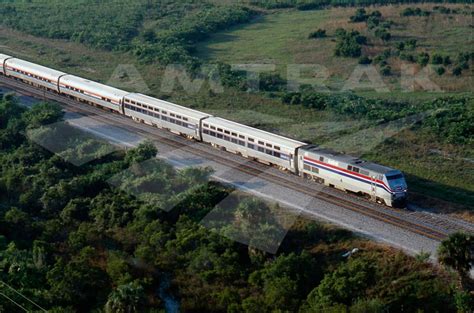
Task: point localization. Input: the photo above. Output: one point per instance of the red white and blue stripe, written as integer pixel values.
(346, 173)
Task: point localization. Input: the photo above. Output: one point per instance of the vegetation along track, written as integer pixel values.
(398, 218)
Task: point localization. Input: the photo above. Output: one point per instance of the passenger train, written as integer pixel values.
(379, 183)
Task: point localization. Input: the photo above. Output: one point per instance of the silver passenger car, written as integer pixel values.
(34, 74)
(92, 92)
(178, 119)
(252, 142)
(3, 58)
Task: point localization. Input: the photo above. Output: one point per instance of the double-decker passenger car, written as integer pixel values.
(178, 119)
(380, 183)
(92, 92)
(33, 74)
(252, 142)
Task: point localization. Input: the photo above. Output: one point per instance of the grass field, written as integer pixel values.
(281, 37)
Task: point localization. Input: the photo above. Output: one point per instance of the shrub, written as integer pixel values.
(320, 33)
(386, 70)
(423, 59)
(360, 16)
(414, 12)
(348, 44)
(457, 71)
(365, 60)
(436, 59)
(407, 57)
(446, 60)
(380, 58)
(373, 22)
(440, 70)
(410, 44)
(383, 34)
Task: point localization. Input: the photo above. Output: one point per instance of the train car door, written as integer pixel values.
(373, 188)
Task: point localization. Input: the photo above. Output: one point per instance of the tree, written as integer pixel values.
(144, 151)
(125, 299)
(457, 252)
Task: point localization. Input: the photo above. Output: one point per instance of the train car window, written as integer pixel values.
(261, 149)
(267, 151)
(226, 138)
(251, 146)
(307, 167)
(260, 143)
(164, 112)
(206, 125)
(185, 118)
(205, 131)
(172, 114)
(178, 116)
(366, 173)
(213, 127)
(213, 133)
(219, 136)
(242, 143)
(227, 132)
(355, 169)
(241, 136)
(321, 159)
(164, 118)
(234, 134)
(277, 154)
(251, 139)
(276, 148)
(219, 130)
(268, 145)
(233, 140)
(349, 167)
(315, 170)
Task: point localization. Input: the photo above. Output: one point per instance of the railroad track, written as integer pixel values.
(387, 215)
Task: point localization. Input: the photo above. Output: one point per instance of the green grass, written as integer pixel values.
(281, 38)
(269, 38)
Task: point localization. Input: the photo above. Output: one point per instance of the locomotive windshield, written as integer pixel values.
(397, 182)
(394, 177)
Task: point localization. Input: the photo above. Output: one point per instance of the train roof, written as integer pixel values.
(3, 57)
(255, 133)
(165, 105)
(35, 69)
(94, 87)
(348, 159)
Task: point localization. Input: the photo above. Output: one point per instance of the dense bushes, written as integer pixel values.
(317, 4)
(349, 43)
(118, 25)
(80, 239)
